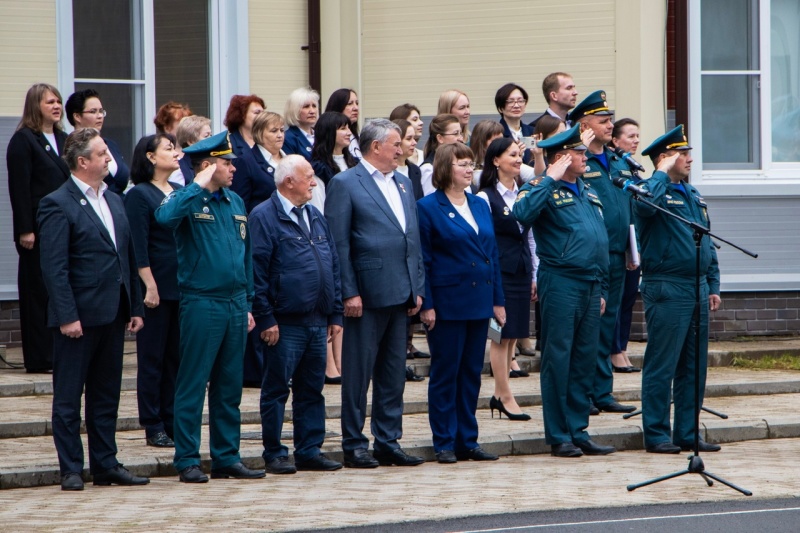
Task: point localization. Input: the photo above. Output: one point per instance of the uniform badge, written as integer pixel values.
(451, 215)
(205, 199)
(402, 187)
(555, 195)
(561, 193)
(205, 209)
(521, 195)
(83, 202)
(308, 148)
(243, 230)
(506, 211)
(569, 195)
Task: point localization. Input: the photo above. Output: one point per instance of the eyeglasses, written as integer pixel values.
(456, 134)
(101, 112)
(512, 103)
(465, 164)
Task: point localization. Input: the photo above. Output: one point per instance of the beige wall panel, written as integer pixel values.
(477, 46)
(278, 28)
(28, 54)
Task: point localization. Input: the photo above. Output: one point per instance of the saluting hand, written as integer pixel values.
(559, 167)
(666, 164)
(203, 177)
(587, 136)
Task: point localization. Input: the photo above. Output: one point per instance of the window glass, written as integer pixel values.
(735, 47)
(730, 120)
(785, 67)
(107, 39)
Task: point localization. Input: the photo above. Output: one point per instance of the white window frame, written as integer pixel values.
(229, 69)
(771, 179)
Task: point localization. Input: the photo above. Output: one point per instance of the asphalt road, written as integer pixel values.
(737, 516)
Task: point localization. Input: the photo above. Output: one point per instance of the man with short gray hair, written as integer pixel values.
(373, 219)
(298, 310)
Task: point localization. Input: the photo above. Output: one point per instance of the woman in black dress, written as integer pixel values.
(499, 187)
(157, 343)
(34, 171)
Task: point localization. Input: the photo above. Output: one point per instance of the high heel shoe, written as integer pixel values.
(496, 403)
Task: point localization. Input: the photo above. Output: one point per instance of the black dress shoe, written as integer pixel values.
(412, 376)
(193, 474)
(615, 407)
(593, 410)
(703, 447)
(280, 465)
(71, 481)
(530, 352)
(663, 447)
(236, 471)
(119, 475)
(589, 447)
(476, 454)
(359, 458)
(333, 381)
(416, 354)
(39, 370)
(565, 449)
(446, 457)
(160, 440)
(518, 374)
(320, 463)
(397, 457)
(623, 369)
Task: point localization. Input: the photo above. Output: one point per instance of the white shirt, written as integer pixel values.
(355, 149)
(509, 196)
(426, 178)
(466, 214)
(340, 162)
(288, 206)
(113, 167)
(268, 157)
(51, 140)
(391, 192)
(99, 204)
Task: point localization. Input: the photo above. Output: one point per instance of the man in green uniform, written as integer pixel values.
(668, 291)
(215, 278)
(603, 165)
(572, 245)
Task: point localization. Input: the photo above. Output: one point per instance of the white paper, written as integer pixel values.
(633, 250)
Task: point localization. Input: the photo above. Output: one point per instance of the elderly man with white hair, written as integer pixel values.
(298, 310)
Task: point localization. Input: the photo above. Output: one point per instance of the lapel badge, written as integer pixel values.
(451, 215)
(569, 195)
(83, 202)
(47, 147)
(308, 148)
(270, 170)
(506, 211)
(402, 187)
(205, 209)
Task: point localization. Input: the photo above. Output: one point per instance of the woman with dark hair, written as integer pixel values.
(444, 129)
(84, 110)
(463, 292)
(411, 113)
(239, 120)
(169, 116)
(499, 187)
(511, 101)
(34, 171)
(546, 127)
(157, 343)
(330, 154)
(345, 101)
(482, 136)
(301, 114)
(625, 136)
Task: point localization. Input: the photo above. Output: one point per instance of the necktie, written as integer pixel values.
(301, 220)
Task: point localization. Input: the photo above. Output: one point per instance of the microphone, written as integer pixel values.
(629, 186)
(626, 156)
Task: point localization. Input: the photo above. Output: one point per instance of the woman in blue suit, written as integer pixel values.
(301, 115)
(463, 290)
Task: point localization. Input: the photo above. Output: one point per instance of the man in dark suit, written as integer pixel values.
(90, 273)
(561, 96)
(373, 219)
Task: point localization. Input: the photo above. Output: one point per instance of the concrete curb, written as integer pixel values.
(525, 443)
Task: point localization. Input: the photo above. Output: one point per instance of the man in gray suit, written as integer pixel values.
(373, 219)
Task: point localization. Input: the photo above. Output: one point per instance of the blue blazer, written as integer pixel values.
(119, 181)
(462, 269)
(185, 163)
(378, 260)
(256, 182)
(82, 269)
(296, 142)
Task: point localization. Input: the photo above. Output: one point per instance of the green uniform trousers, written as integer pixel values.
(213, 334)
(570, 329)
(604, 378)
(670, 358)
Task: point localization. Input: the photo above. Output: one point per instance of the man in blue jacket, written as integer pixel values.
(298, 310)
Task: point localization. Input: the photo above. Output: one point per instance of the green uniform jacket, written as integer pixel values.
(213, 242)
(616, 202)
(668, 249)
(571, 239)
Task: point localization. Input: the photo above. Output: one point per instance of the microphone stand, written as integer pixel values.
(696, 465)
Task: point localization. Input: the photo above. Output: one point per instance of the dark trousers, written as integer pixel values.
(604, 378)
(300, 355)
(158, 355)
(37, 341)
(458, 348)
(93, 360)
(213, 333)
(670, 358)
(253, 369)
(570, 331)
(629, 293)
(374, 348)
